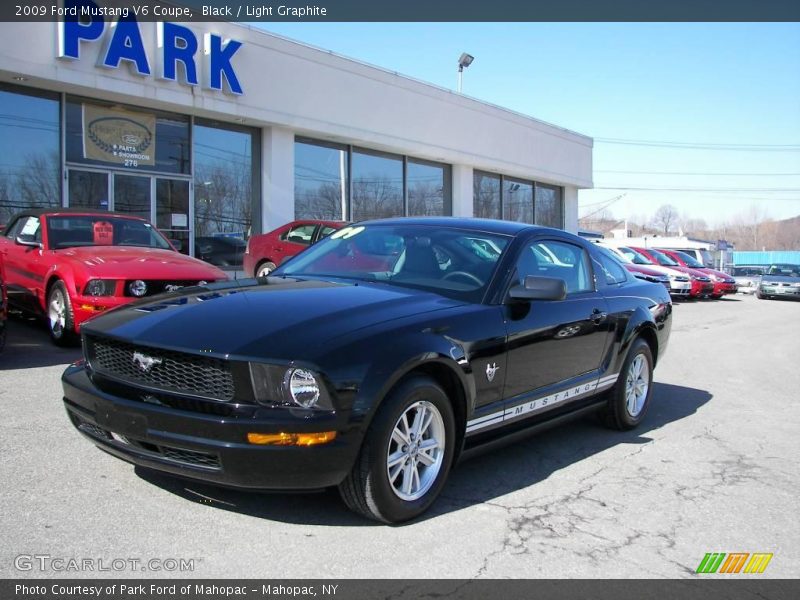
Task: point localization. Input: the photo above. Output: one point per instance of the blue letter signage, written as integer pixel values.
(176, 45)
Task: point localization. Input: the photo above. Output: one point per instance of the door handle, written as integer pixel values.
(598, 316)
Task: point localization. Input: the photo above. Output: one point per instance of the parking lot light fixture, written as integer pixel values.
(464, 60)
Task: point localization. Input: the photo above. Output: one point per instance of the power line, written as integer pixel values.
(702, 145)
(697, 189)
(697, 173)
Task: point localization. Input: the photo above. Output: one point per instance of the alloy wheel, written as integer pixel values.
(637, 383)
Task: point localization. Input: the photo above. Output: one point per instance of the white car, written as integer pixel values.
(680, 284)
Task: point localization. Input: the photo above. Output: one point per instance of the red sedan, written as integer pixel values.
(266, 251)
(701, 283)
(71, 265)
(723, 283)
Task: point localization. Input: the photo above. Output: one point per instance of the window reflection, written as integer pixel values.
(486, 195)
(223, 180)
(377, 185)
(549, 206)
(517, 201)
(30, 165)
(320, 180)
(428, 188)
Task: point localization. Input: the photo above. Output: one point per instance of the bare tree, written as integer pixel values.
(666, 218)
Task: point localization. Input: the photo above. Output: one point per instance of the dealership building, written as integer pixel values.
(223, 130)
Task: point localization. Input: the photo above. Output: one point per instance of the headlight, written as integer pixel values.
(99, 287)
(137, 288)
(302, 386)
(277, 385)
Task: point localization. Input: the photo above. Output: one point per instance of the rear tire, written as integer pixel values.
(265, 268)
(629, 399)
(60, 318)
(406, 456)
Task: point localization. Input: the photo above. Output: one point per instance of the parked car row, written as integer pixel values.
(687, 277)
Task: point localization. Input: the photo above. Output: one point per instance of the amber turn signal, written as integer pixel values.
(291, 439)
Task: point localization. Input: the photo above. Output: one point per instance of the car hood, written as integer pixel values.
(283, 319)
(644, 270)
(779, 278)
(724, 276)
(665, 270)
(130, 262)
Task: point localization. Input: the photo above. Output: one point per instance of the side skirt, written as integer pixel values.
(503, 437)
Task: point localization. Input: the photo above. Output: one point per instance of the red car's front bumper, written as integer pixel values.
(86, 307)
(701, 288)
(721, 288)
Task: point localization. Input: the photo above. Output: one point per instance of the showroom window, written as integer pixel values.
(517, 200)
(428, 185)
(320, 180)
(377, 185)
(486, 195)
(226, 192)
(549, 206)
(336, 181)
(30, 146)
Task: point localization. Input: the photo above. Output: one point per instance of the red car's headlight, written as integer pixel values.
(100, 287)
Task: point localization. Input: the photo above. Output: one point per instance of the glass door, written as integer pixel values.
(172, 211)
(132, 195)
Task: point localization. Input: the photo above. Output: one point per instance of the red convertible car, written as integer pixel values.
(266, 251)
(71, 265)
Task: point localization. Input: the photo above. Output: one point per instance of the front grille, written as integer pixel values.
(168, 371)
(158, 286)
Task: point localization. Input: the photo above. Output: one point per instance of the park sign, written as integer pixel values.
(122, 42)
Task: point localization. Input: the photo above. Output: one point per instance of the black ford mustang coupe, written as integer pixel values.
(372, 361)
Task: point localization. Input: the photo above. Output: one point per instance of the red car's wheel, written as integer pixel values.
(265, 268)
(60, 318)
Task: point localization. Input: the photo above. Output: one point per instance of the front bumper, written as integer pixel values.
(210, 448)
(721, 288)
(779, 291)
(701, 288)
(681, 289)
(86, 307)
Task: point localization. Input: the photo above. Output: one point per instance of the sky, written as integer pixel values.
(704, 86)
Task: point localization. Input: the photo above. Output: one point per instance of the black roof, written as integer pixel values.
(486, 225)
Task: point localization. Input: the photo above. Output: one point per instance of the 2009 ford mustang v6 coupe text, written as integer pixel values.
(373, 360)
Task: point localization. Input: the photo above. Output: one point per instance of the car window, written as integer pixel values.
(102, 230)
(613, 272)
(551, 258)
(449, 261)
(784, 270)
(300, 234)
(27, 227)
(634, 256)
(326, 231)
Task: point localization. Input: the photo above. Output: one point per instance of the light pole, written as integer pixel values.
(464, 60)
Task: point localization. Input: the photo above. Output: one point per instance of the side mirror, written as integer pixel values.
(28, 240)
(539, 288)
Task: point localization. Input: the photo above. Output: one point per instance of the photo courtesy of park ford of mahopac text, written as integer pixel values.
(353, 299)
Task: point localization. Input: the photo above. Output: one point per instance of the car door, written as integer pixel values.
(24, 267)
(294, 240)
(553, 345)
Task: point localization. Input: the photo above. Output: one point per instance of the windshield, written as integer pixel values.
(690, 260)
(634, 256)
(663, 259)
(102, 230)
(451, 262)
(784, 270)
(748, 271)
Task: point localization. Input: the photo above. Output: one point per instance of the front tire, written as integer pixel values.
(629, 399)
(265, 268)
(60, 318)
(407, 454)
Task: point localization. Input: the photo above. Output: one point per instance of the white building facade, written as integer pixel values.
(223, 130)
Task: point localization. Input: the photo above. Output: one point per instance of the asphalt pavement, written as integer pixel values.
(712, 469)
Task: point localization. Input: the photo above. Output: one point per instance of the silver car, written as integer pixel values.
(747, 277)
